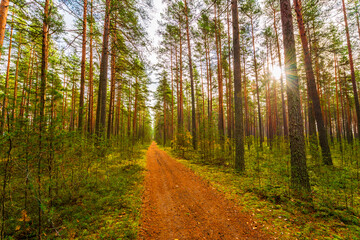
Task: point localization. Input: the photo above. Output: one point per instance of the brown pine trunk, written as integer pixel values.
(44, 69)
(229, 87)
(299, 176)
(172, 93)
(181, 104)
(4, 8)
(135, 109)
(221, 125)
(337, 104)
(177, 79)
(118, 108)
(5, 101)
(164, 106)
(348, 121)
(353, 78)
(342, 101)
(72, 115)
(247, 120)
(27, 83)
(208, 78)
(64, 102)
(202, 95)
(325, 149)
(129, 110)
(193, 111)
(268, 101)
(82, 77)
(239, 129)
(91, 78)
(30, 86)
(112, 91)
(101, 106)
(16, 81)
(257, 84)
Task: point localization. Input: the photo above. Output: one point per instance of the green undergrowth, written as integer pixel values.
(88, 190)
(263, 191)
(109, 206)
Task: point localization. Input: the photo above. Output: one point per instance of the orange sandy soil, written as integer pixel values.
(177, 204)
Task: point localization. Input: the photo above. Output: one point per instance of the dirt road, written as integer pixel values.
(177, 204)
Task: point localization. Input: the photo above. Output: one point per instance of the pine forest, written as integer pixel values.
(184, 119)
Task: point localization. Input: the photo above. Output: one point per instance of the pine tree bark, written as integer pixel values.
(299, 176)
(91, 77)
(118, 107)
(27, 82)
(82, 77)
(247, 120)
(229, 87)
(325, 149)
(4, 9)
(257, 84)
(16, 81)
(172, 92)
(353, 78)
(101, 106)
(193, 111)
(181, 102)
(221, 122)
(135, 109)
(239, 129)
(337, 104)
(5, 101)
(44, 69)
(112, 90)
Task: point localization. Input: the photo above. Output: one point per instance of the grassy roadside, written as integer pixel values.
(109, 207)
(283, 218)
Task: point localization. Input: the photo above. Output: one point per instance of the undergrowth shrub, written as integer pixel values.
(80, 186)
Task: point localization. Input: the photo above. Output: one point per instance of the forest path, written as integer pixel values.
(177, 204)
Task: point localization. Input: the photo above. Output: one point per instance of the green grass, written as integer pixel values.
(110, 204)
(93, 196)
(263, 192)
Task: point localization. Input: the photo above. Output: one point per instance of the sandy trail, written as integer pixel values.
(177, 204)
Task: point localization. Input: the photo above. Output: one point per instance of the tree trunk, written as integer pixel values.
(101, 106)
(239, 129)
(337, 104)
(91, 78)
(135, 109)
(16, 81)
(221, 125)
(27, 83)
(325, 149)
(229, 87)
(353, 78)
(44, 68)
(5, 101)
(181, 111)
(82, 78)
(172, 94)
(299, 176)
(257, 84)
(112, 90)
(193, 113)
(4, 8)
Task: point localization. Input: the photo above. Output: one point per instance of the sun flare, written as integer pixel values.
(276, 72)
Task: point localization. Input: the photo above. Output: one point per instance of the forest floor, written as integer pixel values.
(177, 204)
